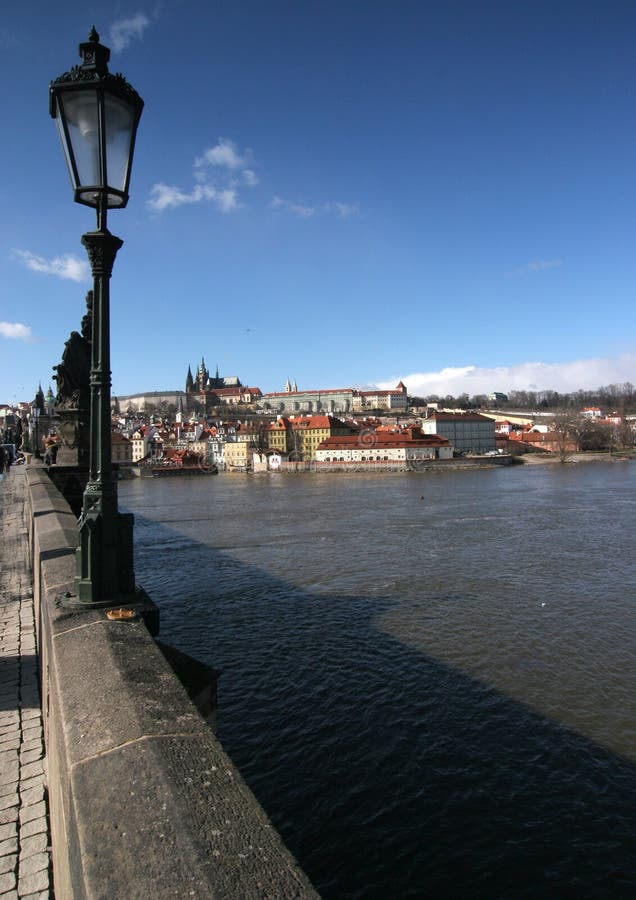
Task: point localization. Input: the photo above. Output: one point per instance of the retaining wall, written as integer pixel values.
(144, 801)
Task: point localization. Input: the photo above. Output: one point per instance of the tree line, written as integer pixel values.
(613, 398)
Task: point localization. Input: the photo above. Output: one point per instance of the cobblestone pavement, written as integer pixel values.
(25, 861)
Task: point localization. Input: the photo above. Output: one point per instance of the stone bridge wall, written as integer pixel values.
(144, 801)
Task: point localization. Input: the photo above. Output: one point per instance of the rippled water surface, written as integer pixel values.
(428, 679)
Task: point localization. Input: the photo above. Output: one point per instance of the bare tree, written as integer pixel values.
(566, 435)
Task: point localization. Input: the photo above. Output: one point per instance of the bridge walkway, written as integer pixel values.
(25, 858)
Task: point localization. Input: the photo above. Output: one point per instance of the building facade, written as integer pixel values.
(301, 435)
(466, 432)
(338, 400)
(409, 445)
(396, 399)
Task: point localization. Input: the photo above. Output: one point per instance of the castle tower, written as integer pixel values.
(49, 402)
(202, 377)
(39, 398)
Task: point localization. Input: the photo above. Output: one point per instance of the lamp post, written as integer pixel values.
(97, 115)
(33, 430)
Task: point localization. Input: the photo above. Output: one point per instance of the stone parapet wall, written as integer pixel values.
(144, 801)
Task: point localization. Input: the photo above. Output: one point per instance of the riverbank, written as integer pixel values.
(574, 458)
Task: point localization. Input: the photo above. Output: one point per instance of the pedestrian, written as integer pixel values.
(8, 459)
(51, 447)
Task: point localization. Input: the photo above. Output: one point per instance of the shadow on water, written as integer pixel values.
(388, 773)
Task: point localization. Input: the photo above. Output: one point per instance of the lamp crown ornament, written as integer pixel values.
(94, 65)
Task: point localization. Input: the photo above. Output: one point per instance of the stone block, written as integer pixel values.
(9, 845)
(32, 844)
(7, 882)
(10, 743)
(37, 881)
(9, 788)
(30, 751)
(31, 770)
(9, 717)
(32, 795)
(9, 830)
(35, 811)
(174, 815)
(114, 686)
(8, 863)
(36, 826)
(9, 800)
(29, 784)
(9, 815)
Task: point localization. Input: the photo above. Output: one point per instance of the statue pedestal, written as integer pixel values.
(74, 432)
(70, 471)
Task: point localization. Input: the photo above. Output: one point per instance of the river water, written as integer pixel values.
(428, 680)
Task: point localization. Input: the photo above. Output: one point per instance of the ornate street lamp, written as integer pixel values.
(97, 115)
(33, 430)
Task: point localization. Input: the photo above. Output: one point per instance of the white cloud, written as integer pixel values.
(165, 196)
(227, 162)
(124, 31)
(566, 377)
(304, 212)
(224, 154)
(219, 173)
(344, 210)
(67, 266)
(537, 265)
(226, 200)
(15, 331)
(249, 177)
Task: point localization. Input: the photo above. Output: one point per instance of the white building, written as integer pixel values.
(408, 445)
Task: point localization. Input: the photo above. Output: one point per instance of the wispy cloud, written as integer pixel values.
(123, 31)
(165, 196)
(343, 210)
(565, 377)
(219, 173)
(305, 212)
(8, 38)
(67, 266)
(537, 265)
(15, 331)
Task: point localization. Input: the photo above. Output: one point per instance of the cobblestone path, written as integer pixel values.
(25, 862)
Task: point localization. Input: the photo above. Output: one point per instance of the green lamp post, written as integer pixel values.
(97, 115)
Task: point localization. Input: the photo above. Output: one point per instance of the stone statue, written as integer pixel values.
(73, 400)
(73, 373)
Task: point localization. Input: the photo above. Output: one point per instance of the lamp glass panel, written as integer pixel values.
(65, 147)
(81, 111)
(119, 118)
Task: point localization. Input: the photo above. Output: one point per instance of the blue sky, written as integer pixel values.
(341, 193)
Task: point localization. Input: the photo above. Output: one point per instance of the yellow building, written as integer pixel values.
(279, 435)
(301, 435)
(237, 456)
